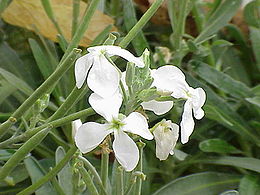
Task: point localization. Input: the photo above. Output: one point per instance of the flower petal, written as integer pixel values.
(158, 107)
(75, 126)
(103, 77)
(126, 151)
(82, 67)
(187, 122)
(106, 107)
(168, 78)
(90, 135)
(112, 50)
(198, 100)
(137, 124)
(165, 139)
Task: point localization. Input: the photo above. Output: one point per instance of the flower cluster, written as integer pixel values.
(138, 86)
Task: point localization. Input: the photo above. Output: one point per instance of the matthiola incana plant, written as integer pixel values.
(140, 87)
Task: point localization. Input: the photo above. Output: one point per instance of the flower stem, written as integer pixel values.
(47, 85)
(52, 173)
(19, 155)
(120, 180)
(93, 170)
(53, 124)
(87, 179)
(138, 188)
(140, 24)
(104, 168)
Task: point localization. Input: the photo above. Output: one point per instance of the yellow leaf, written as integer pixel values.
(30, 14)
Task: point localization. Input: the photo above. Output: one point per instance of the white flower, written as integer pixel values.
(170, 80)
(103, 77)
(75, 126)
(166, 135)
(91, 134)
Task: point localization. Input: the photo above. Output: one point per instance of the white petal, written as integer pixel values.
(187, 122)
(198, 100)
(126, 151)
(75, 126)
(103, 77)
(165, 139)
(168, 78)
(106, 107)
(136, 123)
(123, 75)
(158, 107)
(90, 135)
(112, 50)
(82, 67)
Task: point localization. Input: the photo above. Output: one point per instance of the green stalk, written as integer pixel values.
(19, 155)
(53, 124)
(82, 27)
(94, 172)
(104, 168)
(75, 16)
(87, 179)
(140, 24)
(48, 84)
(138, 188)
(120, 180)
(51, 173)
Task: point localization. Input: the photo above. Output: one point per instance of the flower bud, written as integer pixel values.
(166, 135)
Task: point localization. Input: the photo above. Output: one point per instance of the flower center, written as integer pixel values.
(116, 124)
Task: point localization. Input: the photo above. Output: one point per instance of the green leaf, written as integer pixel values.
(36, 172)
(19, 174)
(242, 162)
(139, 42)
(40, 58)
(221, 43)
(65, 175)
(255, 101)
(221, 80)
(16, 82)
(251, 14)
(206, 183)
(255, 38)
(224, 111)
(249, 185)
(218, 146)
(6, 89)
(219, 19)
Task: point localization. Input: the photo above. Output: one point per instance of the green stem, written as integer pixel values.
(82, 27)
(48, 84)
(93, 170)
(87, 179)
(22, 152)
(120, 180)
(140, 24)
(104, 168)
(138, 188)
(53, 124)
(51, 173)
(75, 16)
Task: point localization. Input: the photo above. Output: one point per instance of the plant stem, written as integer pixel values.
(53, 124)
(87, 179)
(51, 173)
(48, 84)
(120, 180)
(104, 168)
(138, 188)
(75, 16)
(22, 152)
(140, 24)
(93, 170)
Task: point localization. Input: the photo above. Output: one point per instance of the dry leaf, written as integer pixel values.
(30, 14)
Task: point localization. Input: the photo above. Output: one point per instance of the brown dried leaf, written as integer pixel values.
(30, 14)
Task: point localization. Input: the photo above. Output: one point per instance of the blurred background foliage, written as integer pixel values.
(216, 43)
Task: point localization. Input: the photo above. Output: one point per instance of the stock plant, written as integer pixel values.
(78, 120)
